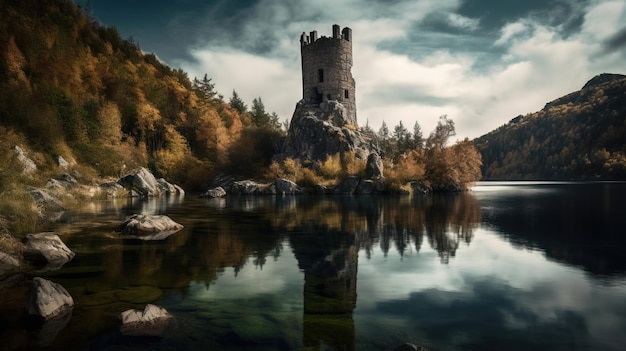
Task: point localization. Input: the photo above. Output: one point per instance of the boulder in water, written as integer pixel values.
(49, 300)
(152, 321)
(149, 227)
(47, 248)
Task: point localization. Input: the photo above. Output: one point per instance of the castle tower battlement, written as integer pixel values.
(327, 70)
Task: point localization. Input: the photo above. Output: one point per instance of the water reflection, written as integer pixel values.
(284, 272)
(580, 224)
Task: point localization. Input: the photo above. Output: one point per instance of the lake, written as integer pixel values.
(507, 266)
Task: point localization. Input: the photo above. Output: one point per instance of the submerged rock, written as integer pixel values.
(149, 227)
(8, 264)
(410, 347)
(51, 328)
(49, 300)
(286, 187)
(47, 248)
(214, 193)
(152, 321)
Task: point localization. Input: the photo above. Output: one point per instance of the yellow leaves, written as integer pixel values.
(331, 167)
(148, 116)
(351, 165)
(110, 124)
(411, 166)
(173, 154)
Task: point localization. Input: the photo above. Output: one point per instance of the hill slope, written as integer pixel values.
(580, 136)
(71, 87)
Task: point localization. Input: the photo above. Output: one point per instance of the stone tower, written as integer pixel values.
(326, 70)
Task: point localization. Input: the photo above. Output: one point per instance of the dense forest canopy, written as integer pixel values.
(581, 136)
(73, 88)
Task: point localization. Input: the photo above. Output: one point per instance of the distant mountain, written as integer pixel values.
(580, 136)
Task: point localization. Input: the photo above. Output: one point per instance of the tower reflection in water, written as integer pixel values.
(329, 261)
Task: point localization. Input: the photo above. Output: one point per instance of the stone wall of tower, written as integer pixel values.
(327, 70)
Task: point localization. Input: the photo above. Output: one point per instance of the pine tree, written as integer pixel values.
(237, 103)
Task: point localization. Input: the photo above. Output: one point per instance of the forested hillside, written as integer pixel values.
(581, 136)
(73, 88)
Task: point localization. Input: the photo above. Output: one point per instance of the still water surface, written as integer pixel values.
(508, 266)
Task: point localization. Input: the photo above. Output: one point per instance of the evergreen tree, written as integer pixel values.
(403, 139)
(204, 88)
(259, 116)
(418, 137)
(237, 103)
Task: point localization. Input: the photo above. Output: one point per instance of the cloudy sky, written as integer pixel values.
(481, 62)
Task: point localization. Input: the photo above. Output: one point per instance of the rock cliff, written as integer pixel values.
(321, 130)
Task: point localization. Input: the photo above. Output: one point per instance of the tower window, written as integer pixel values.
(320, 75)
(346, 94)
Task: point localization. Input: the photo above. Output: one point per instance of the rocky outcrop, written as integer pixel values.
(374, 166)
(49, 300)
(280, 186)
(152, 321)
(63, 163)
(149, 227)
(143, 183)
(47, 249)
(45, 201)
(28, 165)
(63, 182)
(168, 188)
(244, 187)
(419, 188)
(112, 189)
(283, 186)
(316, 132)
(347, 186)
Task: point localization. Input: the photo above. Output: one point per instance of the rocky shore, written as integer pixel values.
(21, 261)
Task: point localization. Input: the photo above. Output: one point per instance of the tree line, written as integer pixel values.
(580, 136)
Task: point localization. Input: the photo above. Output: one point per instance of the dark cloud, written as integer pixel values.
(616, 42)
(440, 22)
(170, 28)
(494, 14)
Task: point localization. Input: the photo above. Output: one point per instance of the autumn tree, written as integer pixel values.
(450, 168)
